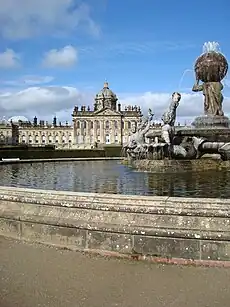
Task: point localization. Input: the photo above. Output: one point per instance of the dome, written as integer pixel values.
(16, 119)
(106, 92)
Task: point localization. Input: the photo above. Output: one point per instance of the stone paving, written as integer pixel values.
(34, 275)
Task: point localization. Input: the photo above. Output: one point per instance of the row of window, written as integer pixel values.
(108, 124)
(92, 135)
(60, 133)
(82, 139)
(44, 141)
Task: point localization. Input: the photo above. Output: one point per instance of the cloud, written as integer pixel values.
(60, 100)
(9, 59)
(43, 101)
(28, 80)
(53, 17)
(191, 105)
(65, 57)
(141, 48)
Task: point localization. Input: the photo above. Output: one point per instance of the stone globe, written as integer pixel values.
(211, 67)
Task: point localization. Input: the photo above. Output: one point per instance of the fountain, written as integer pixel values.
(174, 226)
(209, 134)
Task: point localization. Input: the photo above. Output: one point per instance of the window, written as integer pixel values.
(84, 124)
(78, 124)
(107, 124)
(129, 125)
(91, 124)
(115, 124)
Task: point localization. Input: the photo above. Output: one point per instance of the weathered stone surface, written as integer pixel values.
(173, 227)
(215, 250)
(167, 247)
(121, 243)
(54, 235)
(216, 134)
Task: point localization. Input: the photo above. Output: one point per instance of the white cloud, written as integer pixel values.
(9, 59)
(49, 100)
(191, 105)
(65, 57)
(51, 17)
(42, 101)
(29, 80)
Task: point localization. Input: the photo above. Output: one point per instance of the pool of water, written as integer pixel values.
(113, 177)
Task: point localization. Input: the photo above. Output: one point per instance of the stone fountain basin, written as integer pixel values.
(162, 229)
(212, 134)
(206, 163)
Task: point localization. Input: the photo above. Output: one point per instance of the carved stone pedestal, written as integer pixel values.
(207, 121)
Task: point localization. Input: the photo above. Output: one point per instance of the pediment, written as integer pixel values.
(107, 112)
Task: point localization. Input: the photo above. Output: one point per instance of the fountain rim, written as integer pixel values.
(52, 218)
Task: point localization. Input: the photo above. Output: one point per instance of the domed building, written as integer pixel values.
(106, 124)
(105, 99)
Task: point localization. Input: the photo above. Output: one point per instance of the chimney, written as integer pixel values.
(42, 123)
(35, 122)
(55, 121)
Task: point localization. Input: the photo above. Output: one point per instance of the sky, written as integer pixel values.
(55, 54)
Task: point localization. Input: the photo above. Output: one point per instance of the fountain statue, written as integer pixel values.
(211, 68)
(208, 135)
(136, 147)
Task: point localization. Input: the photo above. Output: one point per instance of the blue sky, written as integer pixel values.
(57, 53)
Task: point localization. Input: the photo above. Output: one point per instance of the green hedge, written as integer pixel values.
(112, 151)
(51, 154)
(27, 148)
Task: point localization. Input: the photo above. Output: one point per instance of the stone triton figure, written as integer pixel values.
(169, 118)
(136, 146)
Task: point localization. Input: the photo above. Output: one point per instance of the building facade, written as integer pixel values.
(6, 133)
(105, 124)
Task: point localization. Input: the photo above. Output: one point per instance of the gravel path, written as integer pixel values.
(33, 275)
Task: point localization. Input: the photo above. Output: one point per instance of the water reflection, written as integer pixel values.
(112, 177)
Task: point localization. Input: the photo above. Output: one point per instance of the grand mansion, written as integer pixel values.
(105, 124)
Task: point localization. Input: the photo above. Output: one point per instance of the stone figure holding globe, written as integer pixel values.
(210, 68)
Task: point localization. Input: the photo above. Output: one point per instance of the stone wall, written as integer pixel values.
(157, 228)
